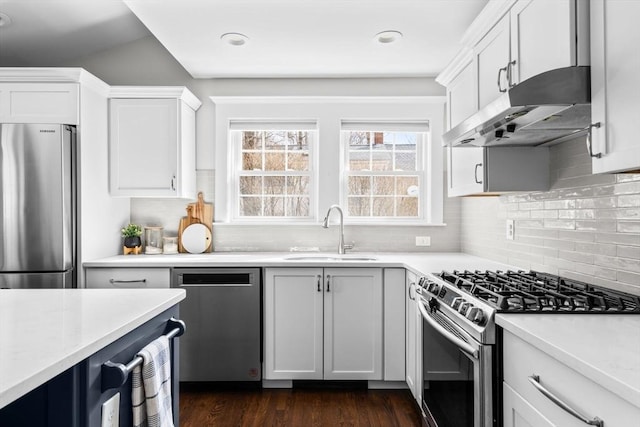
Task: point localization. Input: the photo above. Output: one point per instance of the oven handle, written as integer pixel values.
(457, 341)
(535, 381)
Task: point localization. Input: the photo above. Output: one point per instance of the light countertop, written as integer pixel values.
(44, 332)
(420, 263)
(604, 348)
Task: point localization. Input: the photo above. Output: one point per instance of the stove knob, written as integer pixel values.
(456, 302)
(471, 312)
(464, 306)
(434, 288)
(479, 317)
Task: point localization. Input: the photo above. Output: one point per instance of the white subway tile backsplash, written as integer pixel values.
(589, 224)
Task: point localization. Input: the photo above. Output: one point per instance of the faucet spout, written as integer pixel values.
(325, 224)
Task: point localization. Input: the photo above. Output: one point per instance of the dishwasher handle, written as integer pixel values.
(214, 285)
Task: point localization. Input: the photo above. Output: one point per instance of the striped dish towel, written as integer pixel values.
(151, 386)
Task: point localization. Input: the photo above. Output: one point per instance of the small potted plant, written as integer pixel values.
(132, 243)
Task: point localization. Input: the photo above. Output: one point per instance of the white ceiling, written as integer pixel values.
(287, 38)
(51, 32)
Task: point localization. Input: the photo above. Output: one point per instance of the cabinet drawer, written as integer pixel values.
(522, 360)
(128, 277)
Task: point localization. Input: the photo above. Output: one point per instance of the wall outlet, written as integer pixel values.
(423, 241)
(111, 412)
(511, 229)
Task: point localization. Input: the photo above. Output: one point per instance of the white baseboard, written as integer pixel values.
(277, 383)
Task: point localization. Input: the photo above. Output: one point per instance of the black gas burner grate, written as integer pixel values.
(524, 292)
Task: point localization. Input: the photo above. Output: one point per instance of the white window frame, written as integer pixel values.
(422, 147)
(329, 112)
(235, 142)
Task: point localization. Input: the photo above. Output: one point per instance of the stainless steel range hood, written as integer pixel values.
(551, 107)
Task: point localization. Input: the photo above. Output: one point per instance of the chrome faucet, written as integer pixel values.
(325, 224)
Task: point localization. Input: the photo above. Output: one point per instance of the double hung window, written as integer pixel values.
(273, 170)
(383, 171)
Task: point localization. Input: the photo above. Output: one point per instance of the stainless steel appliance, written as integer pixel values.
(223, 311)
(461, 344)
(37, 206)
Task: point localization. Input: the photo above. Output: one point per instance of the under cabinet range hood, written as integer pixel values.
(550, 107)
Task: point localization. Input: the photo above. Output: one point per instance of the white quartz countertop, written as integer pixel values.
(44, 332)
(604, 348)
(420, 263)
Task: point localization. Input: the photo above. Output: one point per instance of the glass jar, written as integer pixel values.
(153, 240)
(170, 245)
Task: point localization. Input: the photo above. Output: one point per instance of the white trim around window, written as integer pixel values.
(330, 115)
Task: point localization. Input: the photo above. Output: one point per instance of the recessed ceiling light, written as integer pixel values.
(388, 36)
(5, 20)
(234, 39)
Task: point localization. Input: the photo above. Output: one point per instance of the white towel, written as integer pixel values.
(151, 386)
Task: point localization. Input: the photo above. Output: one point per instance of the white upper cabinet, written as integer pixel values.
(615, 85)
(544, 37)
(152, 142)
(461, 99)
(55, 103)
(491, 55)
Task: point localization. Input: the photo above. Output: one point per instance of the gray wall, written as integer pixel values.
(586, 227)
(147, 62)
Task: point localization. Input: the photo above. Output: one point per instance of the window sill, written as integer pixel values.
(319, 224)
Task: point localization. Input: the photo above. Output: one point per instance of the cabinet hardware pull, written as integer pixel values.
(328, 283)
(319, 278)
(535, 380)
(114, 281)
(475, 173)
(510, 73)
(589, 140)
(173, 183)
(410, 285)
(500, 70)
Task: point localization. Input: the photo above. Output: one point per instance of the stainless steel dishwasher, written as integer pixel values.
(223, 311)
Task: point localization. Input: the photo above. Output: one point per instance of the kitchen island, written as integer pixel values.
(53, 340)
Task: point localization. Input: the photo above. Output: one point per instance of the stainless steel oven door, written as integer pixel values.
(456, 372)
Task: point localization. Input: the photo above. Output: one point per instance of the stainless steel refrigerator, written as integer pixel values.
(37, 206)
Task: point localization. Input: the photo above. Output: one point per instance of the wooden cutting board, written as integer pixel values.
(199, 212)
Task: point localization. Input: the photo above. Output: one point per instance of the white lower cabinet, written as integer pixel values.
(525, 405)
(323, 323)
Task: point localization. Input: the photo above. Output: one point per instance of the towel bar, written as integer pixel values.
(114, 375)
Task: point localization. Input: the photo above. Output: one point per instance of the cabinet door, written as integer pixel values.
(543, 37)
(461, 96)
(411, 337)
(143, 140)
(394, 324)
(353, 324)
(293, 305)
(491, 54)
(55, 103)
(466, 170)
(517, 412)
(615, 86)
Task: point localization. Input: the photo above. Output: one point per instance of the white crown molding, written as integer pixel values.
(53, 75)
(457, 64)
(179, 92)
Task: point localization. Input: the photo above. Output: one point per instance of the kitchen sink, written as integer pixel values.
(330, 258)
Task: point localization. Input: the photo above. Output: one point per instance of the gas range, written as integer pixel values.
(473, 297)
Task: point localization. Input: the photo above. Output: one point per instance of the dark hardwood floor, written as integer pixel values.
(204, 405)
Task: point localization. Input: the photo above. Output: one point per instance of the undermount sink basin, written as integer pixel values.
(329, 258)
